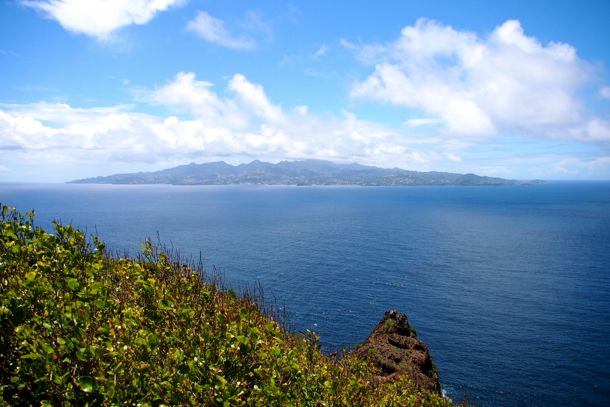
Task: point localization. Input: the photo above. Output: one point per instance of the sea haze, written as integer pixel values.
(509, 286)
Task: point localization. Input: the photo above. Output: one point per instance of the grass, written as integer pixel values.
(80, 327)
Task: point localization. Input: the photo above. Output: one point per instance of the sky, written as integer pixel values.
(517, 89)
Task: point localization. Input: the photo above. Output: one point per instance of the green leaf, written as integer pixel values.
(48, 349)
(81, 354)
(97, 287)
(72, 283)
(30, 276)
(165, 304)
(153, 340)
(86, 383)
(32, 356)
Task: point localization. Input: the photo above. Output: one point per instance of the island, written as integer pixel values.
(307, 172)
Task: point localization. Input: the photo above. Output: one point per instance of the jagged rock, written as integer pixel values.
(393, 347)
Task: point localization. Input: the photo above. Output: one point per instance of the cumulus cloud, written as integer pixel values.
(99, 18)
(186, 94)
(478, 86)
(203, 123)
(43, 127)
(253, 97)
(235, 122)
(214, 30)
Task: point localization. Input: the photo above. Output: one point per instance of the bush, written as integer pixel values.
(81, 327)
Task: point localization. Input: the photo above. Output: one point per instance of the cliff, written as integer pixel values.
(80, 327)
(394, 350)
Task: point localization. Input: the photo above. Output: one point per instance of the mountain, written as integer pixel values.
(308, 172)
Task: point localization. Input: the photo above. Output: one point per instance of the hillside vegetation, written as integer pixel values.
(81, 327)
(308, 172)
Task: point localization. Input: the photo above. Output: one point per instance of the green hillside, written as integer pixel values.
(308, 172)
(80, 327)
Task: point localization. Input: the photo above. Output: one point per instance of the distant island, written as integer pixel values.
(307, 172)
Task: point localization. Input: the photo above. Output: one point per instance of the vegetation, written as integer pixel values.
(308, 172)
(80, 327)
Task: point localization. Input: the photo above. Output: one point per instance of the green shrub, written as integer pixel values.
(79, 327)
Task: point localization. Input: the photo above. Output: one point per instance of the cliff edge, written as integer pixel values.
(394, 349)
(80, 327)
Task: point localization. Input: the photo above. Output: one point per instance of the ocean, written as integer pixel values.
(509, 286)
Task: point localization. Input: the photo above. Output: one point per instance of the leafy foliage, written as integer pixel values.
(80, 327)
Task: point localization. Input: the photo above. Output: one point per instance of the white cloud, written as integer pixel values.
(321, 51)
(186, 94)
(99, 18)
(347, 44)
(480, 86)
(253, 97)
(302, 110)
(593, 130)
(213, 30)
(256, 26)
(604, 92)
(419, 122)
(202, 124)
(240, 122)
(454, 157)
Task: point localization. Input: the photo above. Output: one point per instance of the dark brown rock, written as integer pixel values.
(393, 347)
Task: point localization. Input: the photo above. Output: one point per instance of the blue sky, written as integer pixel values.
(515, 89)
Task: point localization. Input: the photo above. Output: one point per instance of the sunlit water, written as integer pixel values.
(509, 286)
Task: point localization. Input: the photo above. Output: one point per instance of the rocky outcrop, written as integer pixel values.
(394, 349)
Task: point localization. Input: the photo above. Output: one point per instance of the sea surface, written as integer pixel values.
(509, 286)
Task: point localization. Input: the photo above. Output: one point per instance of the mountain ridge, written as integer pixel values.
(305, 172)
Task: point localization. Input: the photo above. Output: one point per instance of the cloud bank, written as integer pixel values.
(242, 122)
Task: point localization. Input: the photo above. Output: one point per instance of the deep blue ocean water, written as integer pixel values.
(509, 286)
